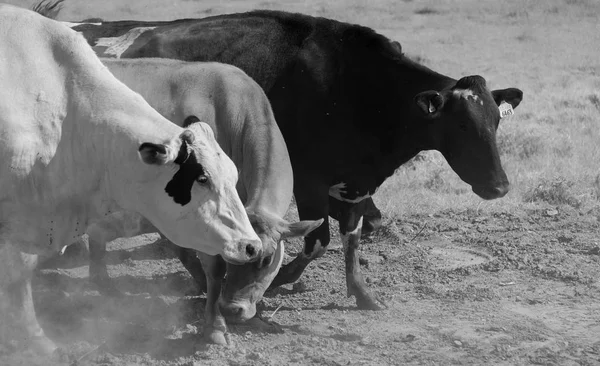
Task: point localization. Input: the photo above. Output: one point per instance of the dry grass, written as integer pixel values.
(548, 49)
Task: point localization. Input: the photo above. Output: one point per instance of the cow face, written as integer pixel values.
(246, 284)
(464, 120)
(190, 196)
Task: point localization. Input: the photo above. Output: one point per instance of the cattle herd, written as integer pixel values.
(203, 130)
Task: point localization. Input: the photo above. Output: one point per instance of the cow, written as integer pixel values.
(77, 145)
(239, 113)
(351, 106)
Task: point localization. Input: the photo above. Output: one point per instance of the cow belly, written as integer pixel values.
(42, 232)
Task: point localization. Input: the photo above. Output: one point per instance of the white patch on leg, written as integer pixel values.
(337, 190)
(318, 251)
(71, 24)
(117, 45)
(346, 237)
(466, 94)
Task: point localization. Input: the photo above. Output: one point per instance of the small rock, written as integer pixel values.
(409, 338)
(299, 286)
(551, 212)
(256, 356)
(367, 260)
(296, 357)
(458, 343)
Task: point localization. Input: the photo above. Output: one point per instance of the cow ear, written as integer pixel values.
(301, 228)
(512, 96)
(429, 102)
(154, 154)
(190, 120)
(187, 138)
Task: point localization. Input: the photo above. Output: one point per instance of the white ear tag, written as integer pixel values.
(431, 107)
(505, 110)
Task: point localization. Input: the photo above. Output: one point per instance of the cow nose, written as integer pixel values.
(491, 192)
(231, 311)
(253, 250)
(501, 191)
(236, 312)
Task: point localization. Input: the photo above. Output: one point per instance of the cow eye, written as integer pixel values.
(203, 179)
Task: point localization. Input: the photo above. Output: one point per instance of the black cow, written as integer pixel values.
(351, 106)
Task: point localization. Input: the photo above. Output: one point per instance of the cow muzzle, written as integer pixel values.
(491, 192)
(242, 251)
(237, 312)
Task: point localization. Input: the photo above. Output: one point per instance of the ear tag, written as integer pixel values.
(431, 107)
(505, 110)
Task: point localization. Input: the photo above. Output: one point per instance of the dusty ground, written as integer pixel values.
(512, 281)
(463, 288)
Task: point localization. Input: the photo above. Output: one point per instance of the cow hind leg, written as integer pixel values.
(350, 233)
(315, 246)
(215, 326)
(19, 322)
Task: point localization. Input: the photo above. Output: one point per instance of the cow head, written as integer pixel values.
(246, 284)
(463, 121)
(190, 196)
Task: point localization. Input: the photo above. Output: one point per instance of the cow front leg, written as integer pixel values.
(350, 230)
(98, 270)
(291, 272)
(192, 263)
(215, 326)
(19, 322)
(122, 224)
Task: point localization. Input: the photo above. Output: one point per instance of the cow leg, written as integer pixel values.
(215, 326)
(310, 207)
(19, 322)
(350, 226)
(190, 260)
(371, 217)
(98, 270)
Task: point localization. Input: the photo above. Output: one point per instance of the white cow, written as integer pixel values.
(76, 145)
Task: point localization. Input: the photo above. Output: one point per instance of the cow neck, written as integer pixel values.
(114, 121)
(266, 171)
(420, 133)
(413, 133)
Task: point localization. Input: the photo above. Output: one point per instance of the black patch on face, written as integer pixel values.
(180, 187)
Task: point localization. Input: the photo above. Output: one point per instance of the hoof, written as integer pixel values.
(106, 288)
(364, 299)
(215, 336)
(43, 346)
(368, 304)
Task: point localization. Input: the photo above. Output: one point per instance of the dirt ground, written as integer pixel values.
(465, 287)
(510, 284)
